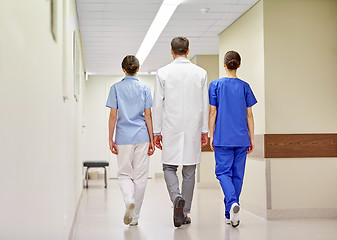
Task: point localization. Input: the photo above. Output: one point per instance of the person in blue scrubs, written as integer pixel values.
(231, 128)
(130, 102)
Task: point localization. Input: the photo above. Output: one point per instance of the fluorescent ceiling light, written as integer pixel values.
(164, 14)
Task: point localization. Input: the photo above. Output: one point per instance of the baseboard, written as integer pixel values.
(273, 214)
(254, 209)
(72, 229)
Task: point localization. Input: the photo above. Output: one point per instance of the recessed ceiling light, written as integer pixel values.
(204, 10)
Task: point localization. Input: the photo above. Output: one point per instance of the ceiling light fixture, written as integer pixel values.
(164, 14)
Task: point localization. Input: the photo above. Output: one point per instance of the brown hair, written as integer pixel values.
(232, 60)
(179, 45)
(130, 64)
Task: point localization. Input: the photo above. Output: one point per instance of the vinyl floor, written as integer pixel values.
(101, 211)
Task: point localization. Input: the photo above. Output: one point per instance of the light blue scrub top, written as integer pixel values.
(131, 97)
(231, 96)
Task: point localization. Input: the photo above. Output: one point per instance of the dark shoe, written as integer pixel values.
(178, 211)
(236, 224)
(187, 220)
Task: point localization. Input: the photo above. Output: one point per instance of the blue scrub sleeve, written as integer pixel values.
(148, 98)
(250, 98)
(112, 98)
(212, 94)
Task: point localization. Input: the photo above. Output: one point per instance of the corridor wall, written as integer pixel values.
(206, 169)
(41, 135)
(300, 79)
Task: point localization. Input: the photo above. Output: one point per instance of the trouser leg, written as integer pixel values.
(125, 171)
(188, 183)
(240, 155)
(140, 174)
(224, 158)
(171, 179)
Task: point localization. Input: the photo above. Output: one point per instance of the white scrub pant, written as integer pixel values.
(133, 168)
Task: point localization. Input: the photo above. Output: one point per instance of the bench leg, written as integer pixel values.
(105, 177)
(86, 177)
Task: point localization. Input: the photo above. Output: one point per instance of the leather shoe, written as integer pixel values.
(178, 211)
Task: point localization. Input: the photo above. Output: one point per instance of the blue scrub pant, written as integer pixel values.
(229, 170)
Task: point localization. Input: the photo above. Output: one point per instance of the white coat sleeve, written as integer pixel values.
(158, 105)
(205, 106)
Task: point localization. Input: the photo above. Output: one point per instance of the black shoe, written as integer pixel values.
(178, 211)
(187, 220)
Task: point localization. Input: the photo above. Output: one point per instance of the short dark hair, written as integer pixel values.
(180, 45)
(232, 60)
(130, 64)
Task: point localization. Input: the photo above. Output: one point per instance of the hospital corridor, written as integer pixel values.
(73, 73)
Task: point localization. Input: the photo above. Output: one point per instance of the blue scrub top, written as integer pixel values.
(131, 97)
(232, 97)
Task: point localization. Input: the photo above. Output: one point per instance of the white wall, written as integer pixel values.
(300, 66)
(210, 63)
(40, 141)
(301, 87)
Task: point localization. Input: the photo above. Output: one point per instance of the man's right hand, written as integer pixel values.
(157, 141)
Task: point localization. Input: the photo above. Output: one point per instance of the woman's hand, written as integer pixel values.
(211, 143)
(113, 147)
(251, 147)
(151, 149)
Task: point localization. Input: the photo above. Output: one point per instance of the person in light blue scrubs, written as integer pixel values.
(130, 105)
(231, 128)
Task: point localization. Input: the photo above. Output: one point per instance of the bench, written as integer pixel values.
(95, 164)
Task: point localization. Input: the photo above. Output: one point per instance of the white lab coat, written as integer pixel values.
(180, 111)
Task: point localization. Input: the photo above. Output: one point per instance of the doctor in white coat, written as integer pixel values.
(180, 124)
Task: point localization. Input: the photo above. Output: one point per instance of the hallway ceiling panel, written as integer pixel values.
(112, 29)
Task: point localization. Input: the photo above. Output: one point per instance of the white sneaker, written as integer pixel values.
(234, 214)
(134, 222)
(227, 221)
(129, 213)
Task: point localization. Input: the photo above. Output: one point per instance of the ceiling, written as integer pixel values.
(112, 29)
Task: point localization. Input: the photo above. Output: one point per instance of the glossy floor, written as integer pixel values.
(101, 213)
